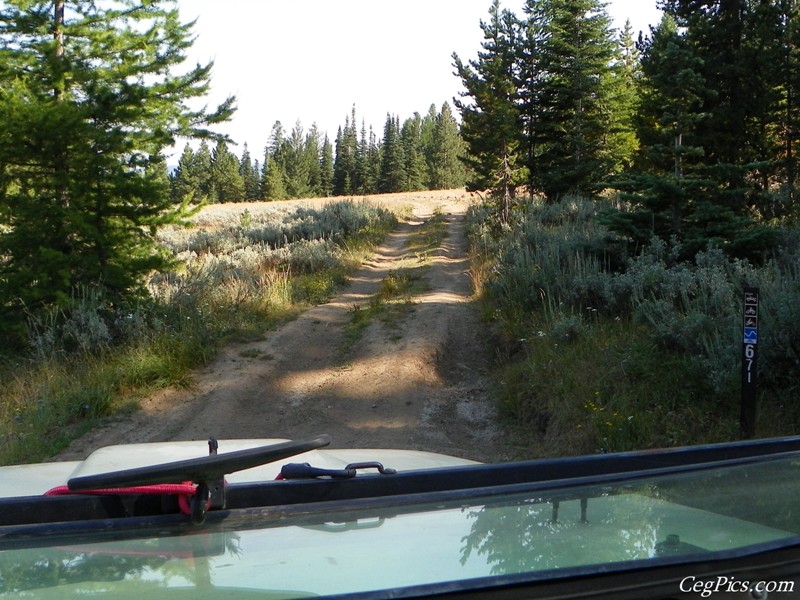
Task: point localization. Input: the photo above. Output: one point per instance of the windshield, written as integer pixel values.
(687, 517)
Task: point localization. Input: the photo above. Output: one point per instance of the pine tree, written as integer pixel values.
(204, 174)
(447, 169)
(89, 100)
(773, 52)
(392, 174)
(622, 81)
(373, 166)
(262, 182)
(345, 161)
(575, 59)
(273, 183)
(737, 43)
(717, 38)
(740, 45)
(226, 179)
(312, 155)
(529, 77)
(363, 185)
(413, 154)
(184, 182)
(787, 109)
(326, 169)
(490, 119)
(342, 184)
(296, 163)
(249, 175)
(427, 128)
(670, 112)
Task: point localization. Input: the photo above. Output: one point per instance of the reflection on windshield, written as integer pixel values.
(690, 515)
(85, 564)
(526, 537)
(713, 510)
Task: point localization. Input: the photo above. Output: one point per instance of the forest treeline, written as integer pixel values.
(421, 153)
(694, 123)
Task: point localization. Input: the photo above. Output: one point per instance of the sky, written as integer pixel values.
(312, 60)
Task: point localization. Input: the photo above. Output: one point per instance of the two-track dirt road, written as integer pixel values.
(420, 384)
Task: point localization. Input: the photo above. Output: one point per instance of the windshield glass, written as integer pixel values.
(691, 515)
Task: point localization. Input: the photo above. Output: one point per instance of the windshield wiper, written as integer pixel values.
(207, 472)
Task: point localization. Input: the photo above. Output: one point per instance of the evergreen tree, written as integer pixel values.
(447, 169)
(312, 151)
(373, 163)
(185, 182)
(427, 128)
(250, 177)
(736, 43)
(345, 161)
(787, 109)
(274, 171)
(490, 120)
(426, 138)
(622, 81)
(204, 174)
(363, 185)
(393, 173)
(529, 77)
(773, 52)
(257, 183)
(670, 112)
(89, 100)
(717, 38)
(326, 169)
(276, 138)
(297, 164)
(576, 66)
(274, 182)
(342, 184)
(739, 43)
(226, 179)
(413, 154)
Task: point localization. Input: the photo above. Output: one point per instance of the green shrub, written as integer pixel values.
(554, 275)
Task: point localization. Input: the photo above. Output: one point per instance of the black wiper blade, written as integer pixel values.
(206, 468)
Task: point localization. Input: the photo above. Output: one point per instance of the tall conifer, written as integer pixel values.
(574, 97)
(250, 176)
(490, 117)
(297, 164)
(447, 168)
(184, 182)
(670, 111)
(393, 174)
(326, 168)
(413, 153)
(85, 116)
(226, 178)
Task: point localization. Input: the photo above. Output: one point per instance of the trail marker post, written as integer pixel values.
(749, 362)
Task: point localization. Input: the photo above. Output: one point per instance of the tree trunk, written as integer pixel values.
(58, 36)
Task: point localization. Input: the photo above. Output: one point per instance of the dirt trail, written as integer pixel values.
(419, 384)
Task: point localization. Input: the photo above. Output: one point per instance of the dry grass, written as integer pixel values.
(397, 203)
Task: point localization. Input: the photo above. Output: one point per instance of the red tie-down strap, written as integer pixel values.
(182, 490)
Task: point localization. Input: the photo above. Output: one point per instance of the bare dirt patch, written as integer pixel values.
(419, 382)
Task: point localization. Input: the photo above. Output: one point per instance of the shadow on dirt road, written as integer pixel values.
(418, 383)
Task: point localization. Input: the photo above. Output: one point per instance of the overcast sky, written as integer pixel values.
(313, 60)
